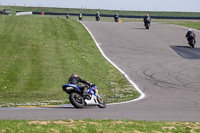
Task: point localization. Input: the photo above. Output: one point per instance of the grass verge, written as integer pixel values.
(98, 126)
(192, 24)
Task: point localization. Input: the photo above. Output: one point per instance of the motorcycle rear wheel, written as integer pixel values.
(102, 103)
(76, 100)
(192, 43)
(147, 26)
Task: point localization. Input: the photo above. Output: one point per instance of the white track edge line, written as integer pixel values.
(142, 95)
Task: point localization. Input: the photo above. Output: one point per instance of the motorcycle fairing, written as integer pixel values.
(92, 101)
(94, 91)
(70, 87)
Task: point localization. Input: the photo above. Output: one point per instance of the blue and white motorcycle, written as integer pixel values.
(76, 98)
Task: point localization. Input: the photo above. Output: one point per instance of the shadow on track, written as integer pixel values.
(64, 106)
(86, 107)
(186, 52)
(139, 28)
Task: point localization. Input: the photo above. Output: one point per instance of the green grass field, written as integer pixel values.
(97, 126)
(192, 24)
(38, 54)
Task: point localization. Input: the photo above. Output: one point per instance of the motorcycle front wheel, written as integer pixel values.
(76, 100)
(102, 103)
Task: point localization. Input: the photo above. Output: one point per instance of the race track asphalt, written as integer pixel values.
(159, 62)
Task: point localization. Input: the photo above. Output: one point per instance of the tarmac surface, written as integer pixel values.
(158, 61)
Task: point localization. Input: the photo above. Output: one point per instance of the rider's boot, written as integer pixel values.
(86, 94)
(86, 97)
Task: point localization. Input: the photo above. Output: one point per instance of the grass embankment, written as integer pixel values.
(38, 55)
(192, 24)
(97, 126)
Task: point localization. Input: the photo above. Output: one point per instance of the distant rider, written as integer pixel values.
(80, 17)
(75, 79)
(190, 35)
(116, 17)
(67, 17)
(97, 16)
(147, 19)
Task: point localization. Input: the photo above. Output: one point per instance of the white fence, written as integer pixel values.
(24, 13)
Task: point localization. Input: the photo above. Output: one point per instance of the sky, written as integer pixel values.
(133, 5)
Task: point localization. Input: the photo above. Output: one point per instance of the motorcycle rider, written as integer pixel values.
(147, 19)
(75, 79)
(116, 17)
(97, 16)
(67, 17)
(80, 17)
(190, 35)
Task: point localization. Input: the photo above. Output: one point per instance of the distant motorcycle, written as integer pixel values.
(97, 18)
(147, 21)
(67, 17)
(116, 18)
(77, 100)
(147, 24)
(80, 18)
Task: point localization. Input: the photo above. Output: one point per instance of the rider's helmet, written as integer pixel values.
(74, 75)
(189, 29)
(147, 14)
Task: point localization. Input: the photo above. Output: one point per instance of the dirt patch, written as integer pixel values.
(158, 132)
(81, 121)
(170, 128)
(39, 122)
(63, 122)
(60, 122)
(136, 131)
(118, 122)
(54, 130)
(55, 122)
(70, 121)
(3, 131)
(130, 123)
(94, 123)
